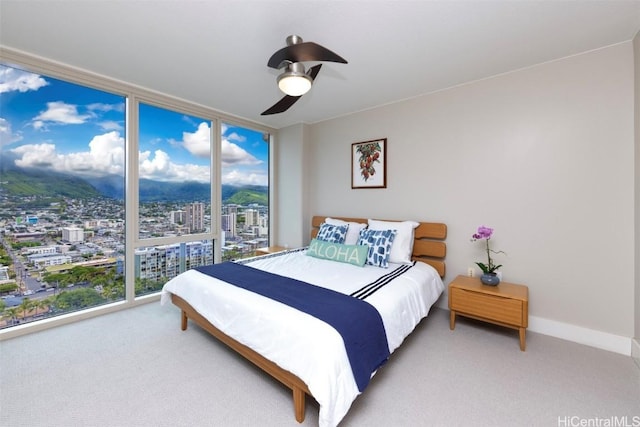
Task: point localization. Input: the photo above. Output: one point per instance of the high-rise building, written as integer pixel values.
(263, 226)
(178, 217)
(167, 261)
(195, 217)
(251, 217)
(229, 224)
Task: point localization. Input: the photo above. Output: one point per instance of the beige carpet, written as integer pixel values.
(137, 368)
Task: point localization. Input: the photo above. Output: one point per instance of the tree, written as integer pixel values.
(78, 299)
(145, 286)
(111, 283)
(26, 306)
(41, 304)
(12, 313)
(8, 287)
(83, 274)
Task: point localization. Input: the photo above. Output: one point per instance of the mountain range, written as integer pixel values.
(15, 181)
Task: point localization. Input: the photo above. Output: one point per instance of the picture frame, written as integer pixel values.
(369, 164)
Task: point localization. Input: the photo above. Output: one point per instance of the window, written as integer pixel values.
(174, 195)
(62, 196)
(245, 191)
(174, 173)
(107, 191)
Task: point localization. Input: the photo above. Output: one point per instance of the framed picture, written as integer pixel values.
(369, 164)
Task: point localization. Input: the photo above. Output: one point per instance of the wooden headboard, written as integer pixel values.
(428, 244)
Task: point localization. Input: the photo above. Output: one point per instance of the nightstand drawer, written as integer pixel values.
(499, 309)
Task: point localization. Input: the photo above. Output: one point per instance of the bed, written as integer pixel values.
(301, 351)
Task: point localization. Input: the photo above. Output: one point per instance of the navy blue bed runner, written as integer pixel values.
(357, 321)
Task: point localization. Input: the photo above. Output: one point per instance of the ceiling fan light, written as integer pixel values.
(294, 82)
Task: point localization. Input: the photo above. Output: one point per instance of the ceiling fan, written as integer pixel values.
(294, 81)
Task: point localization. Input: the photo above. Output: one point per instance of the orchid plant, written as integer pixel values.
(485, 233)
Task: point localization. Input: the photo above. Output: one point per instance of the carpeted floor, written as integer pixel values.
(136, 368)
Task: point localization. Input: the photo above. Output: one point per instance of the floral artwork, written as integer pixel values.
(369, 156)
(369, 164)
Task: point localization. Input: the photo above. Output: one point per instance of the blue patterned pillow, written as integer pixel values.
(379, 242)
(332, 233)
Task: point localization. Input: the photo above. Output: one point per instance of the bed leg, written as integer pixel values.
(183, 324)
(298, 404)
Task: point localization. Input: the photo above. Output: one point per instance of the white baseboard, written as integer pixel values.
(578, 334)
(635, 351)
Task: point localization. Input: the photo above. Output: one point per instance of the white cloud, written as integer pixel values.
(105, 156)
(106, 153)
(236, 177)
(235, 137)
(154, 167)
(36, 155)
(110, 125)
(160, 168)
(12, 79)
(198, 143)
(6, 133)
(233, 154)
(98, 106)
(61, 113)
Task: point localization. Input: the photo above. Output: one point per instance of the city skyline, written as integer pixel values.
(49, 125)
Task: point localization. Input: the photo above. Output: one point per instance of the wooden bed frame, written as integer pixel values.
(428, 247)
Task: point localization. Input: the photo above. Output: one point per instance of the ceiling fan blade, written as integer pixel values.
(286, 102)
(305, 51)
(282, 105)
(313, 71)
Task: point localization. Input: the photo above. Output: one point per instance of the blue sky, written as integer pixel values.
(49, 123)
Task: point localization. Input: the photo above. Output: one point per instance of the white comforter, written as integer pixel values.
(298, 342)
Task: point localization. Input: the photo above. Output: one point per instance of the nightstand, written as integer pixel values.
(506, 304)
(270, 250)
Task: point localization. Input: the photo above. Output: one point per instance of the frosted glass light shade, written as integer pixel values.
(294, 84)
(294, 81)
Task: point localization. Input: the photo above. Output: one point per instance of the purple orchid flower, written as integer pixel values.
(485, 233)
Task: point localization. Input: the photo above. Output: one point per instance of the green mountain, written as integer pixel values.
(157, 191)
(247, 196)
(30, 182)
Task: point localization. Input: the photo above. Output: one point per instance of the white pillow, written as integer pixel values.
(353, 232)
(403, 243)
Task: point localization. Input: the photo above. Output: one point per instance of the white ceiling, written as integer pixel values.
(215, 52)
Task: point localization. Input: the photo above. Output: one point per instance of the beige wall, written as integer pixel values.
(636, 348)
(291, 183)
(545, 155)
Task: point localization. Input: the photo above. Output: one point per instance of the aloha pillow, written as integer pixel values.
(402, 247)
(353, 233)
(352, 254)
(332, 233)
(379, 242)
